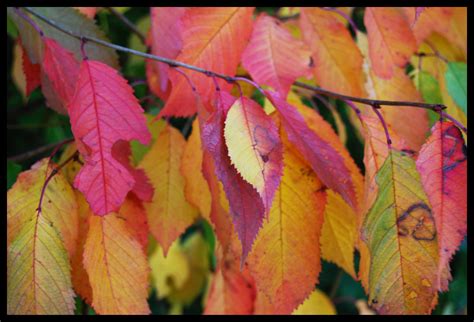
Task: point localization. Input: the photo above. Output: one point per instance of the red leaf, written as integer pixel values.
(323, 158)
(103, 111)
(165, 38)
(32, 72)
(213, 39)
(269, 53)
(61, 69)
(246, 206)
(142, 189)
(442, 163)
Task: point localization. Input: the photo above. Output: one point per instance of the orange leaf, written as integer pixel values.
(408, 122)
(196, 189)
(337, 60)
(117, 267)
(40, 243)
(169, 214)
(391, 42)
(285, 259)
(269, 52)
(213, 39)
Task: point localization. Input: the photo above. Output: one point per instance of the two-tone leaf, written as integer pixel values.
(401, 235)
(40, 243)
(254, 147)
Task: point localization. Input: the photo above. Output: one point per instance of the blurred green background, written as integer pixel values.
(30, 125)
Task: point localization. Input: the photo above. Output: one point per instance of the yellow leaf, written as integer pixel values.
(401, 236)
(18, 76)
(117, 267)
(339, 233)
(181, 275)
(285, 258)
(317, 304)
(38, 269)
(58, 206)
(196, 189)
(169, 214)
(254, 147)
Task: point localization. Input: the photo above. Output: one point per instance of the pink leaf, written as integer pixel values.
(324, 159)
(246, 206)
(103, 111)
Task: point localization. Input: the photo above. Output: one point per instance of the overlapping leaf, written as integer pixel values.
(270, 49)
(104, 111)
(328, 164)
(117, 267)
(32, 73)
(168, 213)
(442, 163)
(254, 147)
(391, 42)
(456, 81)
(245, 205)
(401, 235)
(285, 259)
(337, 60)
(40, 244)
(208, 35)
(165, 39)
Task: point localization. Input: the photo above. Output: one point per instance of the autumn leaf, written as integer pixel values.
(196, 188)
(337, 60)
(40, 243)
(246, 206)
(326, 162)
(254, 147)
(103, 111)
(391, 42)
(442, 163)
(208, 35)
(165, 40)
(168, 213)
(62, 70)
(89, 12)
(270, 49)
(232, 290)
(408, 122)
(285, 260)
(401, 235)
(111, 249)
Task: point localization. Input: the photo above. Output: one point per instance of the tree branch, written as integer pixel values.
(230, 79)
(127, 23)
(29, 154)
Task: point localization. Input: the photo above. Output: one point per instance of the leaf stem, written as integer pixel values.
(344, 15)
(376, 108)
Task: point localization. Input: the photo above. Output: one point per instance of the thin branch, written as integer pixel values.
(30, 21)
(230, 79)
(452, 119)
(51, 175)
(127, 23)
(29, 154)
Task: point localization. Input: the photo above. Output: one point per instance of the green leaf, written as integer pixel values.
(429, 88)
(13, 169)
(11, 28)
(456, 81)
